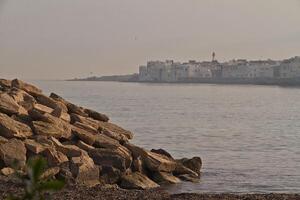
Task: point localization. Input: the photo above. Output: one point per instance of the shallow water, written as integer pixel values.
(247, 136)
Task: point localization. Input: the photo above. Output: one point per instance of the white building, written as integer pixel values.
(262, 69)
(235, 69)
(289, 68)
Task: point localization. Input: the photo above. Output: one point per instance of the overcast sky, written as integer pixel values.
(49, 39)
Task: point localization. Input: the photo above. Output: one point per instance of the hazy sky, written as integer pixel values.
(49, 39)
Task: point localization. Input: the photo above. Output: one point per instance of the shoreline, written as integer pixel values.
(103, 192)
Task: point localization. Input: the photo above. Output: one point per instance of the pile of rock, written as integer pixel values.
(78, 143)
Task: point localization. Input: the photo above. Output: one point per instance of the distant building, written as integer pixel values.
(170, 71)
(289, 68)
(235, 69)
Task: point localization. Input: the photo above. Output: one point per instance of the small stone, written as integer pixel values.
(50, 173)
(7, 171)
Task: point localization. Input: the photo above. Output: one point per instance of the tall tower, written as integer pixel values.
(213, 56)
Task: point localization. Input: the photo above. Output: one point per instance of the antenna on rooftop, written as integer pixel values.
(213, 56)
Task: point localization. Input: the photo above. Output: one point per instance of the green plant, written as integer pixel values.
(35, 187)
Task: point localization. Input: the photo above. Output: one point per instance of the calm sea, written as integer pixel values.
(247, 136)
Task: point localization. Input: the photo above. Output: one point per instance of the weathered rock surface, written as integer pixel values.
(10, 128)
(109, 174)
(13, 153)
(95, 115)
(117, 158)
(84, 170)
(8, 105)
(79, 144)
(25, 86)
(165, 178)
(5, 83)
(137, 180)
(194, 164)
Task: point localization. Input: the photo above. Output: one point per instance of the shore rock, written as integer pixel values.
(25, 86)
(13, 153)
(34, 146)
(84, 170)
(109, 174)
(165, 178)
(5, 83)
(97, 116)
(137, 180)
(9, 106)
(10, 128)
(117, 158)
(194, 164)
(54, 157)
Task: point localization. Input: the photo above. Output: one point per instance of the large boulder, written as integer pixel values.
(103, 141)
(13, 153)
(86, 127)
(165, 178)
(9, 106)
(21, 96)
(162, 152)
(84, 170)
(84, 146)
(54, 157)
(49, 129)
(137, 180)
(42, 109)
(96, 115)
(10, 128)
(25, 86)
(119, 158)
(117, 136)
(60, 113)
(5, 83)
(57, 127)
(109, 174)
(189, 178)
(181, 170)
(84, 135)
(34, 146)
(84, 120)
(72, 108)
(49, 102)
(116, 129)
(153, 161)
(194, 164)
(70, 150)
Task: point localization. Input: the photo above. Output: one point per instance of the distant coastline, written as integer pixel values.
(257, 72)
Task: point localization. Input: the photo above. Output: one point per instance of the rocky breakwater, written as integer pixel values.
(80, 144)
